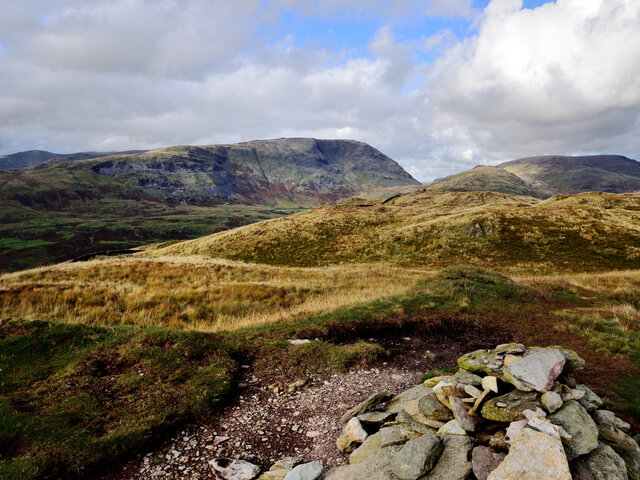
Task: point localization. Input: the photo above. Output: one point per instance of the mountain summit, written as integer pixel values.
(300, 171)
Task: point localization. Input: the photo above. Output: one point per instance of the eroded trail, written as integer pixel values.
(263, 426)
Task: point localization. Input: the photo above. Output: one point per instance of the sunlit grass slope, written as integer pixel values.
(586, 232)
(192, 292)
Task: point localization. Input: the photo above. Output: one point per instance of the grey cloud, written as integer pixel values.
(91, 74)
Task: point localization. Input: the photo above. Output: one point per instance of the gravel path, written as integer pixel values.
(263, 425)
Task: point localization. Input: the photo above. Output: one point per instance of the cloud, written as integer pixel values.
(121, 74)
(560, 78)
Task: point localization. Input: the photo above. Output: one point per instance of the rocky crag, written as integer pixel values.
(508, 413)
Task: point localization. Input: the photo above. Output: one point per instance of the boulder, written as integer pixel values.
(485, 460)
(370, 403)
(452, 428)
(583, 430)
(416, 457)
(274, 475)
(453, 463)
(287, 463)
(411, 423)
(624, 446)
(397, 403)
(354, 430)
(306, 471)
(467, 421)
(573, 361)
(371, 446)
(535, 371)
(280, 469)
(510, 348)
(609, 419)
(232, 469)
(345, 444)
(481, 361)
(376, 467)
(514, 430)
(603, 463)
(468, 378)
(590, 400)
(533, 456)
(551, 401)
(396, 435)
(412, 409)
(509, 407)
(375, 418)
(432, 408)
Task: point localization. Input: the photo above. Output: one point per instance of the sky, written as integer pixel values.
(438, 85)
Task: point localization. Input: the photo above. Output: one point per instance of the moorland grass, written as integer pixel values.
(193, 293)
(515, 235)
(73, 396)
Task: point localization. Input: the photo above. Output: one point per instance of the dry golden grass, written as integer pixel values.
(192, 292)
(614, 282)
(587, 232)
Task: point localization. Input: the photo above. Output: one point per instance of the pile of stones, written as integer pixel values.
(508, 413)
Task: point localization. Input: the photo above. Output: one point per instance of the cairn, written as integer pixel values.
(508, 413)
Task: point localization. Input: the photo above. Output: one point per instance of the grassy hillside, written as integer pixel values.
(74, 396)
(65, 209)
(587, 232)
(485, 179)
(555, 174)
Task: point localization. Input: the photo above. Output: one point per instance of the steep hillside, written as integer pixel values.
(299, 171)
(579, 233)
(554, 174)
(485, 179)
(68, 207)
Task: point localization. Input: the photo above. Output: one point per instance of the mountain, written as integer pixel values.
(300, 171)
(554, 174)
(590, 231)
(32, 158)
(486, 179)
(26, 159)
(67, 207)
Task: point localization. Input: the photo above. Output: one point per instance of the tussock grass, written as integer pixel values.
(516, 235)
(192, 292)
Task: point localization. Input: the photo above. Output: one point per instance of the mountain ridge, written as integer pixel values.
(549, 175)
(68, 207)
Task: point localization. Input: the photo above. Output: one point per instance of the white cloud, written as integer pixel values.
(560, 78)
(121, 74)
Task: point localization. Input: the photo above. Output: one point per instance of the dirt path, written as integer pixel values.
(262, 426)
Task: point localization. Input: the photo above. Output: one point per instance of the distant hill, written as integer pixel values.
(554, 174)
(69, 206)
(590, 231)
(32, 158)
(26, 159)
(545, 176)
(487, 179)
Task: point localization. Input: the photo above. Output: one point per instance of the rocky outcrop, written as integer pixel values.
(302, 170)
(508, 414)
